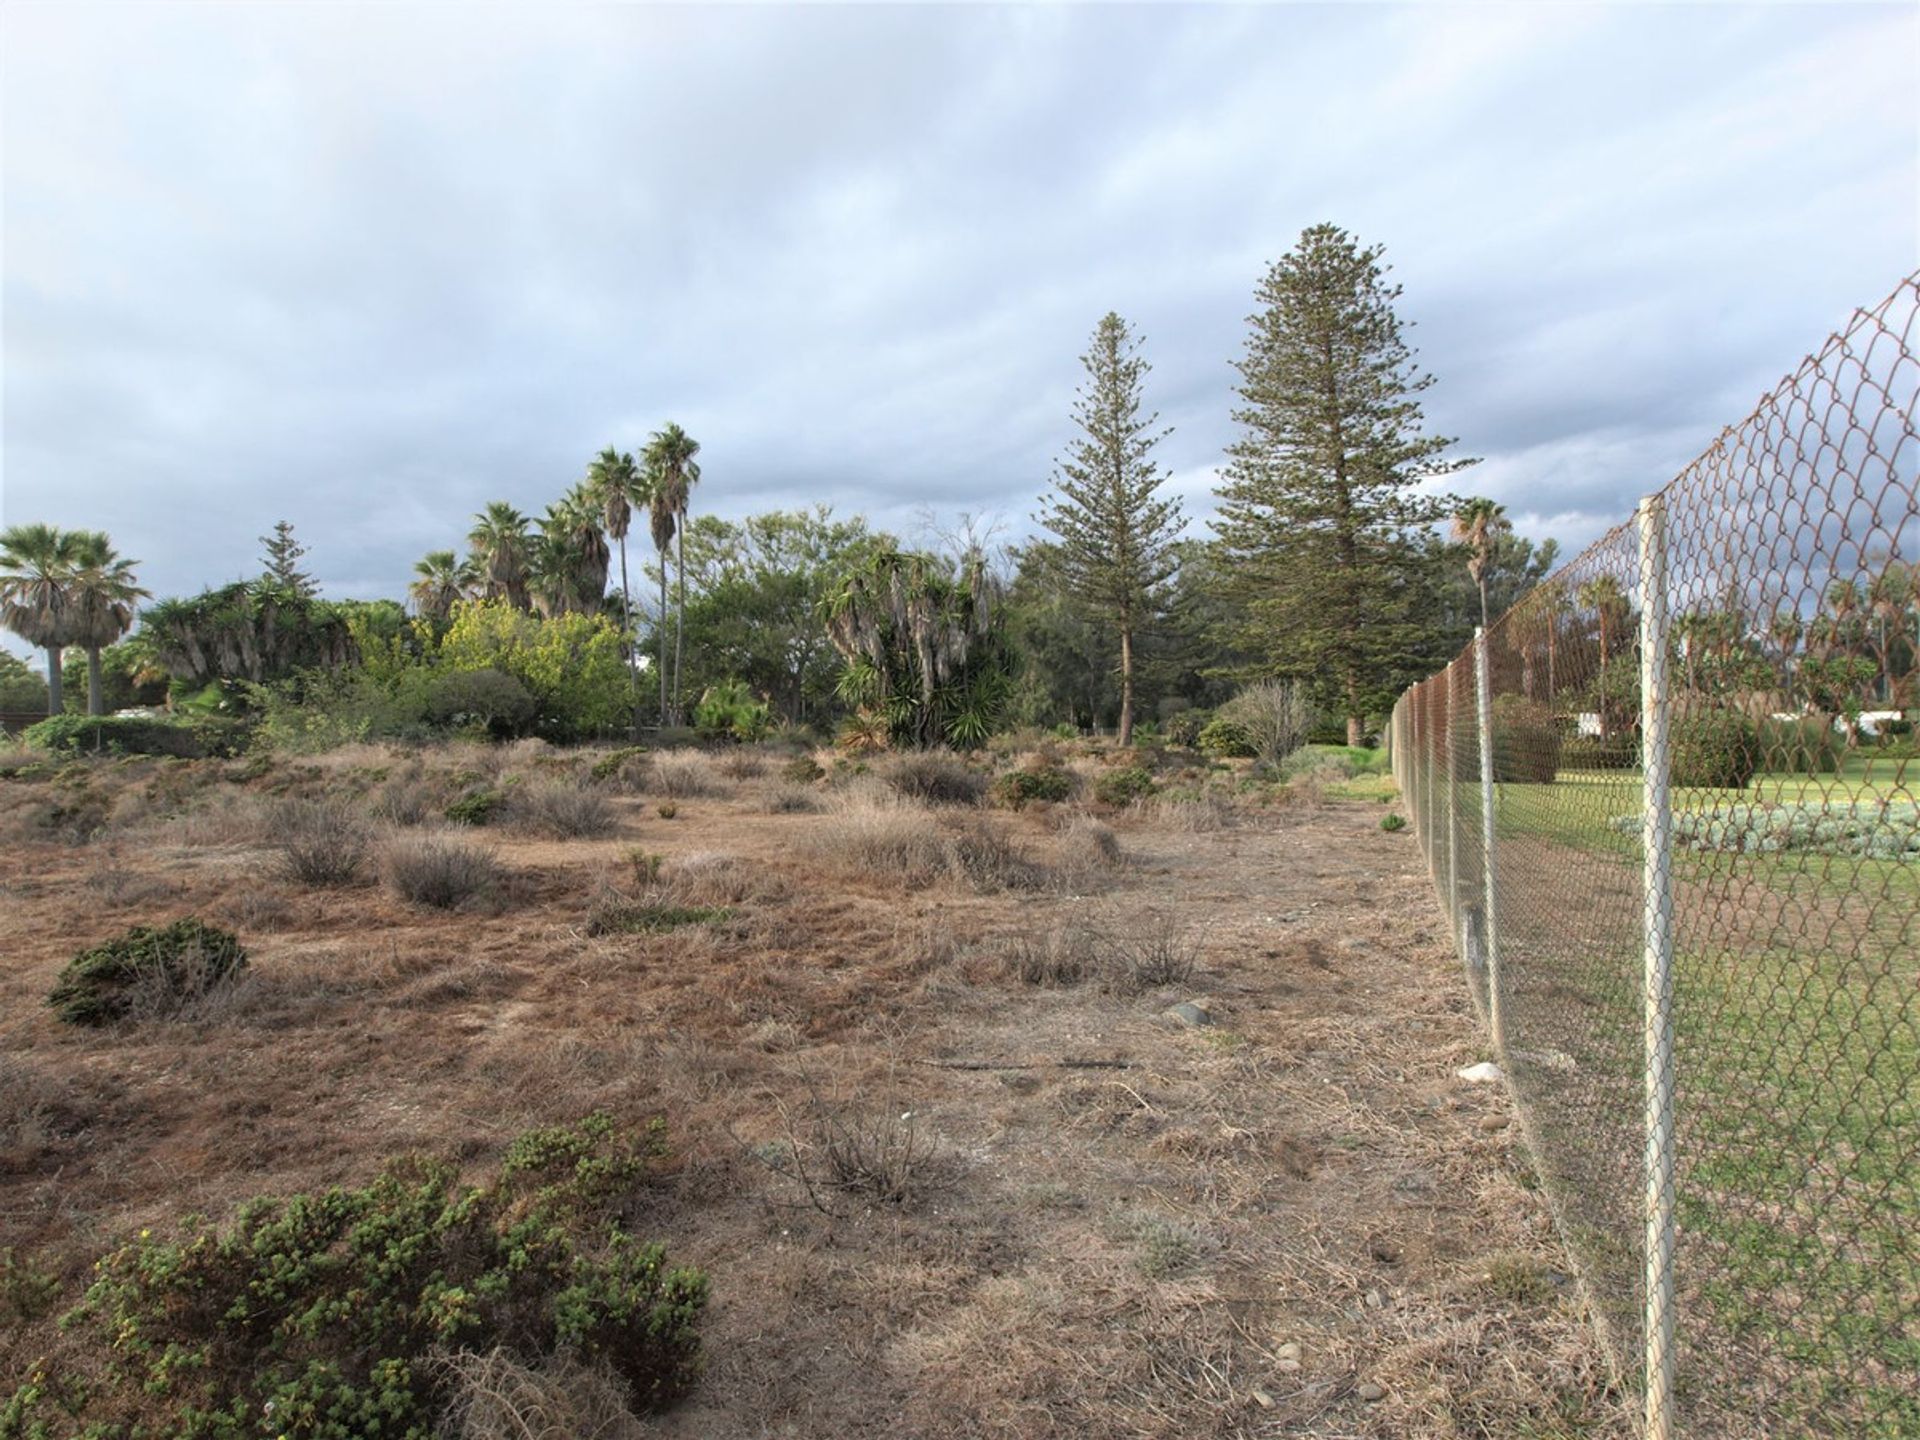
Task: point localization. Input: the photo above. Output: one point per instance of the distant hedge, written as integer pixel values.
(137, 735)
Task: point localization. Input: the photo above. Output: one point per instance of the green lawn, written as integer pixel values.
(1798, 1061)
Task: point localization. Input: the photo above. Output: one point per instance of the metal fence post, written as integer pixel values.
(1657, 934)
(1453, 818)
(1483, 681)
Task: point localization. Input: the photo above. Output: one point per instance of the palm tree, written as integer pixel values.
(439, 585)
(501, 551)
(1478, 525)
(662, 521)
(616, 483)
(567, 562)
(670, 454)
(1604, 595)
(102, 593)
(37, 564)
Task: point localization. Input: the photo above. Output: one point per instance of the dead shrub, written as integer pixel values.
(1058, 957)
(1089, 844)
(409, 800)
(255, 908)
(708, 878)
(320, 842)
(1196, 812)
(742, 765)
(561, 811)
(112, 885)
(438, 870)
(493, 1396)
(790, 800)
(684, 775)
(936, 777)
(1151, 952)
(987, 860)
(878, 1153)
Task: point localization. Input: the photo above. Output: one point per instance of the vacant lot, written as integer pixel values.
(951, 1167)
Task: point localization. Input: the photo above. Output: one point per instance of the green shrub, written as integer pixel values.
(150, 968)
(1392, 822)
(320, 1315)
(1184, 728)
(1019, 788)
(1803, 746)
(1225, 739)
(485, 699)
(1124, 786)
(801, 770)
(1714, 750)
(629, 917)
(1526, 741)
(731, 711)
(1590, 752)
(477, 806)
(190, 739)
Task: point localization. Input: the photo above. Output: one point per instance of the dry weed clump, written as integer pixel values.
(1153, 952)
(1194, 812)
(561, 810)
(878, 1152)
(786, 799)
(1087, 844)
(901, 840)
(493, 1396)
(685, 775)
(935, 777)
(321, 842)
(1067, 956)
(742, 765)
(438, 870)
(709, 878)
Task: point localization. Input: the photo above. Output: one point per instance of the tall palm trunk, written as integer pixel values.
(54, 702)
(94, 707)
(679, 611)
(663, 639)
(632, 640)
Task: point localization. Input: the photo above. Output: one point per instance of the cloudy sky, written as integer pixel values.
(365, 267)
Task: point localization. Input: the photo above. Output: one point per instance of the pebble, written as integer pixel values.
(1371, 1392)
(1290, 1350)
(1493, 1124)
(1375, 1300)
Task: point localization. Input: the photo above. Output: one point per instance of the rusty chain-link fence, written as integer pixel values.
(1669, 805)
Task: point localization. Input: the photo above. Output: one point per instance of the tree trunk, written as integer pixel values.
(1126, 686)
(1356, 730)
(679, 614)
(93, 681)
(633, 640)
(54, 703)
(662, 637)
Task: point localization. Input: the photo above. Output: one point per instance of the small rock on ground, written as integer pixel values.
(1191, 1012)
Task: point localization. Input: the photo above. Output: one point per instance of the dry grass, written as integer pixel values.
(321, 842)
(1127, 1229)
(496, 1397)
(438, 870)
(935, 777)
(685, 775)
(561, 810)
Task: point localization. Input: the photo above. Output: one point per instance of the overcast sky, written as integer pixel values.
(366, 267)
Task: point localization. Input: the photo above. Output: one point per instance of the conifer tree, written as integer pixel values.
(283, 560)
(1321, 514)
(1116, 531)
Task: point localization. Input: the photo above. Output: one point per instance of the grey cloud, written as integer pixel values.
(368, 267)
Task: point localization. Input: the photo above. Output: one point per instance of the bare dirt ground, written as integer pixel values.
(1293, 1221)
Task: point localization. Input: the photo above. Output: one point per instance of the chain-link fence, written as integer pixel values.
(1668, 801)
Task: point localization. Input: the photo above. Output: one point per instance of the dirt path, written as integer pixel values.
(1292, 1221)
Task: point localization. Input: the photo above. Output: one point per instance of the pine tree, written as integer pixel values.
(1321, 517)
(283, 561)
(1116, 531)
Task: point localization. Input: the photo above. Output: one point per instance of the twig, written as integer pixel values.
(1027, 1064)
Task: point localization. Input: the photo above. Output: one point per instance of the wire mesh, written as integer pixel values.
(1786, 688)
